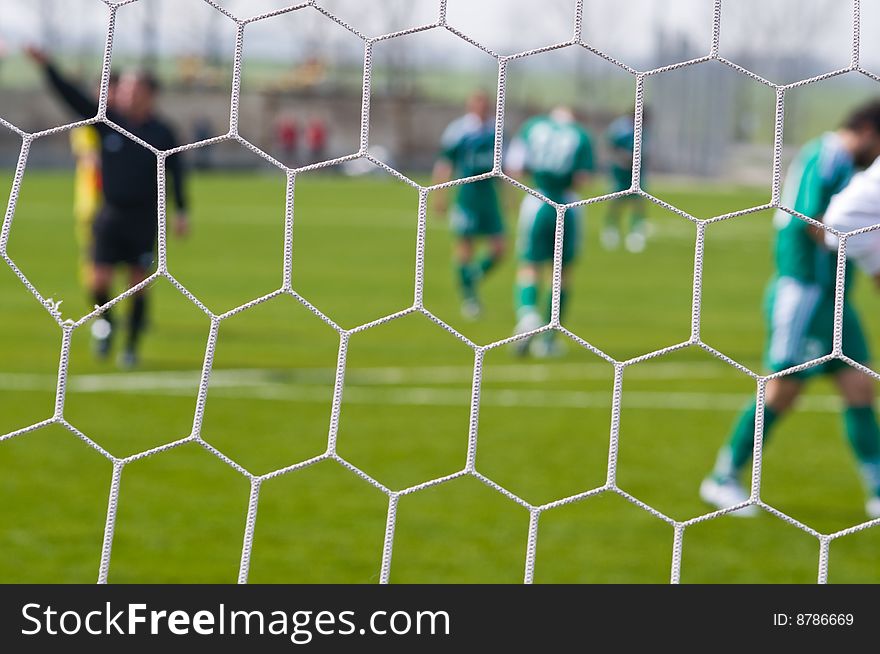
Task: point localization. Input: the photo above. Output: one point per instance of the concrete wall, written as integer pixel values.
(409, 128)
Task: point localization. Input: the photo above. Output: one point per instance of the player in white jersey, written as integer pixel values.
(858, 207)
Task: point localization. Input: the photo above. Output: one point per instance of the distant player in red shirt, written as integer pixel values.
(287, 138)
(316, 139)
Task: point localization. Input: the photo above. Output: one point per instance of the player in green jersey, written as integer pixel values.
(620, 138)
(468, 149)
(800, 314)
(558, 154)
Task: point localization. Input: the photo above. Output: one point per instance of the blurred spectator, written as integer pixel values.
(287, 138)
(316, 139)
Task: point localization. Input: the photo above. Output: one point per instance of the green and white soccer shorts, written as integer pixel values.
(536, 233)
(621, 178)
(800, 323)
(476, 219)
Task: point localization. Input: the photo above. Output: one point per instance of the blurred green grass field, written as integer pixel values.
(543, 425)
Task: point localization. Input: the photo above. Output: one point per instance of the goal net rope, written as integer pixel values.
(67, 327)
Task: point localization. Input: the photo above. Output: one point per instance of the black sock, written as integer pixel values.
(101, 298)
(137, 319)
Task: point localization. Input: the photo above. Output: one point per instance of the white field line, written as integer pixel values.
(379, 386)
(510, 398)
(240, 377)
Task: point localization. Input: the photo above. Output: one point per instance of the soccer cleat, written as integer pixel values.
(546, 347)
(101, 332)
(529, 322)
(636, 242)
(724, 493)
(128, 359)
(471, 309)
(872, 507)
(610, 238)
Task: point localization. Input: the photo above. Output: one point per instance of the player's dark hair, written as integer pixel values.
(867, 115)
(113, 79)
(149, 79)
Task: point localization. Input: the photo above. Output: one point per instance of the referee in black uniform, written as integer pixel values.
(125, 227)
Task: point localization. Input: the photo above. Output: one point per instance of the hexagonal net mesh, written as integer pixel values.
(68, 327)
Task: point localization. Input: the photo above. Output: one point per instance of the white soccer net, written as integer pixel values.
(576, 40)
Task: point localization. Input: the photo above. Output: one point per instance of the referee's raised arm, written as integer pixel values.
(73, 96)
